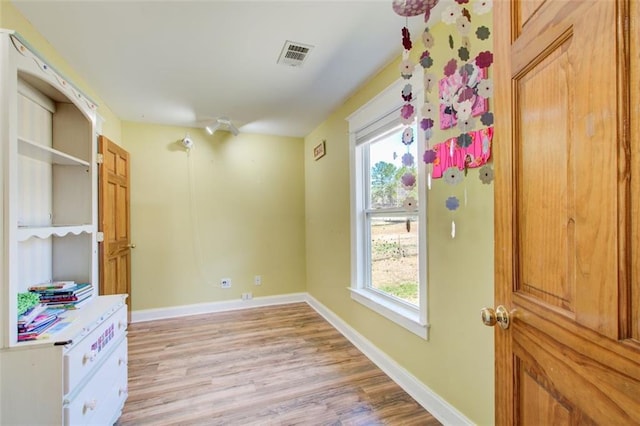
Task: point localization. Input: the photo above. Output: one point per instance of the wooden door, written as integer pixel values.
(566, 198)
(113, 200)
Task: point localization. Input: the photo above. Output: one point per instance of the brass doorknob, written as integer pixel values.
(131, 246)
(500, 316)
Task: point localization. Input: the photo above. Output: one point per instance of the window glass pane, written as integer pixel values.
(394, 256)
(390, 160)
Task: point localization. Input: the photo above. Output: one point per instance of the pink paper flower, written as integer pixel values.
(407, 112)
(451, 67)
(484, 59)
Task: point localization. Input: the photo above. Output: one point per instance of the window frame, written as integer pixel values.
(374, 119)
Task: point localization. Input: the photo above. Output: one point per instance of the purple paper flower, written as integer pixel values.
(408, 180)
(426, 123)
(484, 59)
(452, 203)
(429, 156)
(407, 160)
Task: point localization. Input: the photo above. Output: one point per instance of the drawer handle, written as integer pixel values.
(90, 405)
(90, 357)
(122, 361)
(123, 391)
(121, 325)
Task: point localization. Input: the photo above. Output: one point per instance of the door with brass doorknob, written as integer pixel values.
(500, 316)
(566, 101)
(113, 219)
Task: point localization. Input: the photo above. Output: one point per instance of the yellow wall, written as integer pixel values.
(457, 361)
(232, 208)
(12, 19)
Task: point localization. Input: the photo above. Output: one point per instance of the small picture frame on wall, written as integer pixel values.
(319, 151)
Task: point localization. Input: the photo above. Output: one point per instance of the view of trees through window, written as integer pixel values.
(392, 229)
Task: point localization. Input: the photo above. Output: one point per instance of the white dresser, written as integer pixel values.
(78, 379)
(77, 374)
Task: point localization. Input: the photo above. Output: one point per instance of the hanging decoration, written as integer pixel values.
(408, 114)
(409, 8)
(457, 90)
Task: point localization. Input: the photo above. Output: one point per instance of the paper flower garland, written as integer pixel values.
(408, 111)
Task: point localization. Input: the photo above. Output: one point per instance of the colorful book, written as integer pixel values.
(56, 285)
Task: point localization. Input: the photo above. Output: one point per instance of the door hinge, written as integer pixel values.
(99, 158)
(100, 237)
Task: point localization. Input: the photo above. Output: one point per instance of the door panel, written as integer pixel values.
(115, 250)
(566, 239)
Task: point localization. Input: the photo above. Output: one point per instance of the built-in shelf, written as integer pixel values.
(47, 154)
(26, 232)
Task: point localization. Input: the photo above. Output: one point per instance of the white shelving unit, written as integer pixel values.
(77, 374)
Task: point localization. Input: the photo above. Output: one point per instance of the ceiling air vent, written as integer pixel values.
(294, 54)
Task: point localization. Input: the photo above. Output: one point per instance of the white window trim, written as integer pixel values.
(408, 316)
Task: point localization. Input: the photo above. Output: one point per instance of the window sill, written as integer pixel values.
(396, 312)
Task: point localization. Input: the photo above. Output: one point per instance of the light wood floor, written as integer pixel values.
(279, 365)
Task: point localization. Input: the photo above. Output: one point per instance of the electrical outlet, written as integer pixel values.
(257, 280)
(247, 296)
(225, 283)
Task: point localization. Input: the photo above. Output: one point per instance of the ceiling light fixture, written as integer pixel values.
(222, 123)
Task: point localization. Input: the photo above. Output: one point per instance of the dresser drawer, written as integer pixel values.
(88, 353)
(104, 395)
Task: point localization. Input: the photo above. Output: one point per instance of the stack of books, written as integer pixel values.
(63, 295)
(36, 321)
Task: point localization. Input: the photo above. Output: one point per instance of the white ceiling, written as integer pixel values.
(186, 62)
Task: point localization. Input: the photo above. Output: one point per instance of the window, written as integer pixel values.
(388, 214)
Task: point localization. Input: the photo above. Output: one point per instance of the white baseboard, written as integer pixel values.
(432, 402)
(205, 308)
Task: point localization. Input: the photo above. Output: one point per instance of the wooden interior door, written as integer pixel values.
(566, 212)
(113, 201)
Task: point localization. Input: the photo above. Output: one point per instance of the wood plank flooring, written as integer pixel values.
(277, 365)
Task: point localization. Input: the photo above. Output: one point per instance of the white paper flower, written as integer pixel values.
(410, 204)
(481, 7)
(429, 110)
(430, 81)
(464, 110)
(463, 25)
(451, 14)
(485, 88)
